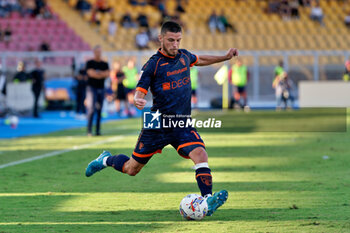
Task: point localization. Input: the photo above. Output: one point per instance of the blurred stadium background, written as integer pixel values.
(265, 32)
(285, 171)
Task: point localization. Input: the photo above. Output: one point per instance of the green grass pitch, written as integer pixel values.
(277, 181)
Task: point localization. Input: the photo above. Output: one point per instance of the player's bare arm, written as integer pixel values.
(205, 60)
(139, 100)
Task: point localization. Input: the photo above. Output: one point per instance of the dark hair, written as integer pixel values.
(170, 26)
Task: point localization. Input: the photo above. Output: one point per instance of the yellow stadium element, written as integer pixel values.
(77, 23)
(256, 30)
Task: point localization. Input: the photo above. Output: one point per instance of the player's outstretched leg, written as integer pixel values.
(215, 201)
(97, 164)
(106, 159)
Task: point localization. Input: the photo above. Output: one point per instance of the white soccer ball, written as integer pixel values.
(13, 121)
(193, 207)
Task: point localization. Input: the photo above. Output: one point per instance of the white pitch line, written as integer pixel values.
(54, 153)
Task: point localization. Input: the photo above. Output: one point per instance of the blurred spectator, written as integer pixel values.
(103, 6)
(44, 47)
(283, 91)
(214, 23)
(194, 74)
(3, 10)
(284, 9)
(21, 75)
(38, 77)
(317, 14)
(1, 34)
(83, 6)
(294, 9)
(153, 34)
(95, 16)
(117, 77)
(142, 20)
(44, 14)
(138, 2)
(176, 18)
(279, 69)
(81, 81)
(160, 5)
(73, 66)
(112, 27)
(131, 78)
(273, 6)
(8, 6)
(347, 20)
(346, 76)
(223, 20)
(142, 39)
(305, 3)
(127, 21)
(2, 83)
(179, 6)
(239, 77)
(40, 6)
(28, 8)
(7, 35)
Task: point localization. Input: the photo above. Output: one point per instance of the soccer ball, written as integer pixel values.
(193, 207)
(12, 121)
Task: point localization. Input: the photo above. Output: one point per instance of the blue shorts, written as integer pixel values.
(150, 142)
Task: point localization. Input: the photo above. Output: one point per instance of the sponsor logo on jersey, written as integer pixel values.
(175, 84)
(179, 71)
(182, 61)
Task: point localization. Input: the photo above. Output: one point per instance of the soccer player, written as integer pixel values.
(167, 75)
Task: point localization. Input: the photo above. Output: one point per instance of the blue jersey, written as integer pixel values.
(169, 81)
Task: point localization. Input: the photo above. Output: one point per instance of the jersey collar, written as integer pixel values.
(166, 55)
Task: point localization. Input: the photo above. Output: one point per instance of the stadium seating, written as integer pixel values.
(81, 26)
(28, 34)
(256, 29)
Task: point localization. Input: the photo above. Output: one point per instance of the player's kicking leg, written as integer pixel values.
(149, 143)
(204, 180)
(120, 163)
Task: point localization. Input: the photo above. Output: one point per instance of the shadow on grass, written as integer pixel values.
(261, 214)
(85, 227)
(302, 120)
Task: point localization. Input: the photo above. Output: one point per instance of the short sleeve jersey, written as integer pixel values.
(168, 78)
(97, 66)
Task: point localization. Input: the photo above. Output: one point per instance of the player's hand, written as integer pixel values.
(140, 103)
(232, 52)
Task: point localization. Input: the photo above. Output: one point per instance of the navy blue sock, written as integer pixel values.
(204, 180)
(117, 161)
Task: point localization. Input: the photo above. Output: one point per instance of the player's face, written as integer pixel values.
(170, 42)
